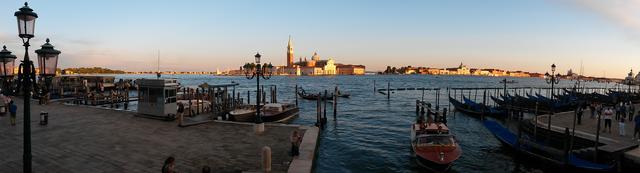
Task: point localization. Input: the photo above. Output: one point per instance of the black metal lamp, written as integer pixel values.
(7, 60)
(26, 27)
(47, 60)
(7, 63)
(26, 21)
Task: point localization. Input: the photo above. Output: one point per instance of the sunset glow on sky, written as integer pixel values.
(200, 35)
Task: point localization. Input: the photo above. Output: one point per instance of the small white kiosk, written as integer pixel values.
(157, 98)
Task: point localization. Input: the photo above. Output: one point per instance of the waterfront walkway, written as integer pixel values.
(85, 139)
(613, 142)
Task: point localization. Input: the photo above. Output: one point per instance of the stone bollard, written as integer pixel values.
(259, 128)
(266, 159)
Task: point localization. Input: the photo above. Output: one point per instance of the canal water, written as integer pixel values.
(371, 133)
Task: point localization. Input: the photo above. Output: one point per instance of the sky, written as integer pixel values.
(205, 35)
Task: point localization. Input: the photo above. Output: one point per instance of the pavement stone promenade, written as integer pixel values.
(86, 139)
(587, 130)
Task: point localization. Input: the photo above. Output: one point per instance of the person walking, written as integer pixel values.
(579, 113)
(169, 165)
(636, 130)
(13, 109)
(592, 108)
(621, 126)
(608, 115)
(632, 111)
(296, 139)
(180, 113)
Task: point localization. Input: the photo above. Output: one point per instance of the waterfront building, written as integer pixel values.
(518, 74)
(350, 69)
(315, 66)
(496, 72)
(460, 70)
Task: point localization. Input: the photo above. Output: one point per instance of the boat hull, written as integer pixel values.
(434, 166)
(281, 117)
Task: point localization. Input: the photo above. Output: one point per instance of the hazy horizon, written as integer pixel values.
(194, 35)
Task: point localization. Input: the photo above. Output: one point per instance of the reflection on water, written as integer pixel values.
(372, 134)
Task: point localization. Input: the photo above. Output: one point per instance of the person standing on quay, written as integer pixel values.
(579, 113)
(636, 130)
(621, 126)
(631, 110)
(592, 108)
(608, 115)
(13, 109)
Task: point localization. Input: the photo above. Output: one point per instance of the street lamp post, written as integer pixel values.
(552, 79)
(255, 70)
(47, 64)
(26, 23)
(7, 62)
(629, 80)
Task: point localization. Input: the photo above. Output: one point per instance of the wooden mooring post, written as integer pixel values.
(374, 87)
(318, 111)
(388, 91)
(324, 107)
(335, 103)
(449, 95)
(296, 95)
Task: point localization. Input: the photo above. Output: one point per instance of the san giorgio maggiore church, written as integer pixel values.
(315, 66)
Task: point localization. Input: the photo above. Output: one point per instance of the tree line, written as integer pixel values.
(93, 70)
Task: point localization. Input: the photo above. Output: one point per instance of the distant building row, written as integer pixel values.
(464, 70)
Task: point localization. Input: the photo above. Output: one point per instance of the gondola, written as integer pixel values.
(476, 109)
(540, 151)
(304, 95)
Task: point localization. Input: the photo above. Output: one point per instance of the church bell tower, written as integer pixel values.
(289, 53)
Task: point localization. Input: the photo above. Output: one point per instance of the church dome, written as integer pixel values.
(315, 56)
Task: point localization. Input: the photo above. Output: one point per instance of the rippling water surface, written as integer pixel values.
(372, 134)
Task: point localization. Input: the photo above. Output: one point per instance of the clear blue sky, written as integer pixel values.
(205, 35)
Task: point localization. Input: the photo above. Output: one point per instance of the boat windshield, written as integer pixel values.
(435, 140)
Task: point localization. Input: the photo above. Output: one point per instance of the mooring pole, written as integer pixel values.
(318, 109)
(296, 95)
(335, 103)
(325, 106)
(422, 98)
(374, 86)
(484, 100)
(388, 91)
(233, 104)
(248, 96)
(449, 96)
(437, 98)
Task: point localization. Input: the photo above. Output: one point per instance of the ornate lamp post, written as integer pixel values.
(47, 64)
(7, 62)
(629, 80)
(255, 70)
(552, 79)
(26, 23)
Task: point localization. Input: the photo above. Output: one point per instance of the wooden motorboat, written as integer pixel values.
(271, 112)
(279, 112)
(243, 114)
(434, 147)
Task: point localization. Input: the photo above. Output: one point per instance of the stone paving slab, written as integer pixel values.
(85, 139)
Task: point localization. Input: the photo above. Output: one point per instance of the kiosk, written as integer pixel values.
(157, 98)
